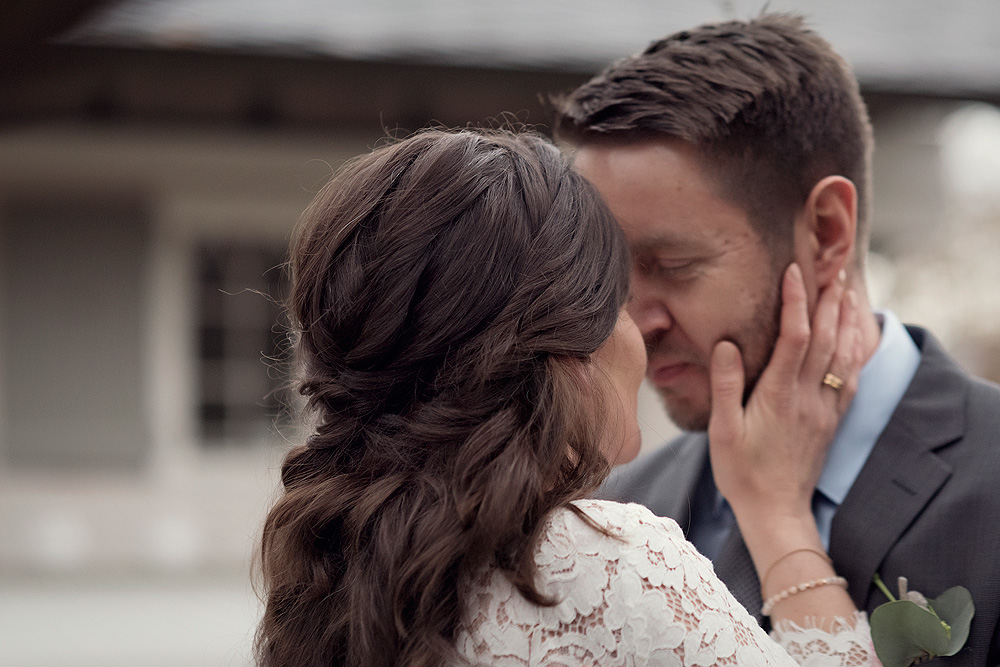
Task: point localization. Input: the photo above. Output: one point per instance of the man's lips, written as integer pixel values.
(664, 373)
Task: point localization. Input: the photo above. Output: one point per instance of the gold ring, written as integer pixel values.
(833, 382)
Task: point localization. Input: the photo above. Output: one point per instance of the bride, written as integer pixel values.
(457, 299)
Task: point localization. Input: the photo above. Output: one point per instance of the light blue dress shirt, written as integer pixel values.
(881, 386)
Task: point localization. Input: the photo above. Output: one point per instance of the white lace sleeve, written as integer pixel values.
(850, 645)
(645, 598)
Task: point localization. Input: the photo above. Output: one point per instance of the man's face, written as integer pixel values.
(700, 273)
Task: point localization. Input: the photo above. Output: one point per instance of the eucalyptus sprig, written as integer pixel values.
(913, 629)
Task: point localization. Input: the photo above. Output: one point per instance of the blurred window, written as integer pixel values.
(241, 349)
(72, 300)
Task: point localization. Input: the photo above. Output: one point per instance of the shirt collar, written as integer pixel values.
(881, 385)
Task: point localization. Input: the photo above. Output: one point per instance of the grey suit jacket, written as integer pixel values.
(926, 504)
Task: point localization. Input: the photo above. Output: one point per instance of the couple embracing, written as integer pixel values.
(473, 316)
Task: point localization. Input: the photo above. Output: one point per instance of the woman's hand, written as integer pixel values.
(767, 456)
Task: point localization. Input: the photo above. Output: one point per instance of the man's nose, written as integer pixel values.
(649, 311)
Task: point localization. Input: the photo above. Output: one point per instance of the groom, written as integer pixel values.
(727, 152)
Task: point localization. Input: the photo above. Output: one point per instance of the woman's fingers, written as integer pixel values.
(847, 361)
(767, 456)
(794, 333)
(826, 332)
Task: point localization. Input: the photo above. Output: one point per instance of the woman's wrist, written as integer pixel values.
(786, 550)
(766, 575)
(798, 580)
(772, 535)
(796, 567)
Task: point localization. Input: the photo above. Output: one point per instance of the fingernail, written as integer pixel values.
(842, 276)
(795, 272)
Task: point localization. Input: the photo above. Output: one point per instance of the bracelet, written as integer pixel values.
(800, 588)
(821, 554)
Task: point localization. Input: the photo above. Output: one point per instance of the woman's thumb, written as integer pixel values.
(726, 378)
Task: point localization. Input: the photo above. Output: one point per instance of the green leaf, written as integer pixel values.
(955, 608)
(902, 631)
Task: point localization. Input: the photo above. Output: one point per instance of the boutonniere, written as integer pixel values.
(912, 629)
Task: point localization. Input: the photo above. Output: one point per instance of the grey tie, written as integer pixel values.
(735, 567)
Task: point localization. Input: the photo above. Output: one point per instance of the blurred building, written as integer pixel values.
(155, 155)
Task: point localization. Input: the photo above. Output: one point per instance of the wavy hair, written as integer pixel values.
(768, 102)
(447, 290)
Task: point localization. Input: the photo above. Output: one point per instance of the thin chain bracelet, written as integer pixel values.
(799, 588)
(821, 554)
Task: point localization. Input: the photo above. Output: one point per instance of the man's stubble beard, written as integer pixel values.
(771, 328)
(756, 342)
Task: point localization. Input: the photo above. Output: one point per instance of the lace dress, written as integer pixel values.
(648, 598)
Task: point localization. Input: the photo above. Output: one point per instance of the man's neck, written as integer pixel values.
(871, 332)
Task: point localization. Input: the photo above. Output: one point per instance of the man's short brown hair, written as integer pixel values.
(769, 104)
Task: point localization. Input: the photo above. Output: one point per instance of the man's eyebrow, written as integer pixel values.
(665, 242)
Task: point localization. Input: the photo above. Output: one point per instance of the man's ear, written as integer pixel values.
(828, 226)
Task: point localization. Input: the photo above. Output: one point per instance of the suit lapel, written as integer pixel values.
(689, 459)
(903, 472)
(664, 481)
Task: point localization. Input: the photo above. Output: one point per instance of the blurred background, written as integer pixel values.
(154, 157)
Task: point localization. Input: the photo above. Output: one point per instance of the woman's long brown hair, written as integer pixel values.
(447, 291)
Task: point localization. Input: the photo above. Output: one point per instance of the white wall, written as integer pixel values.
(183, 508)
